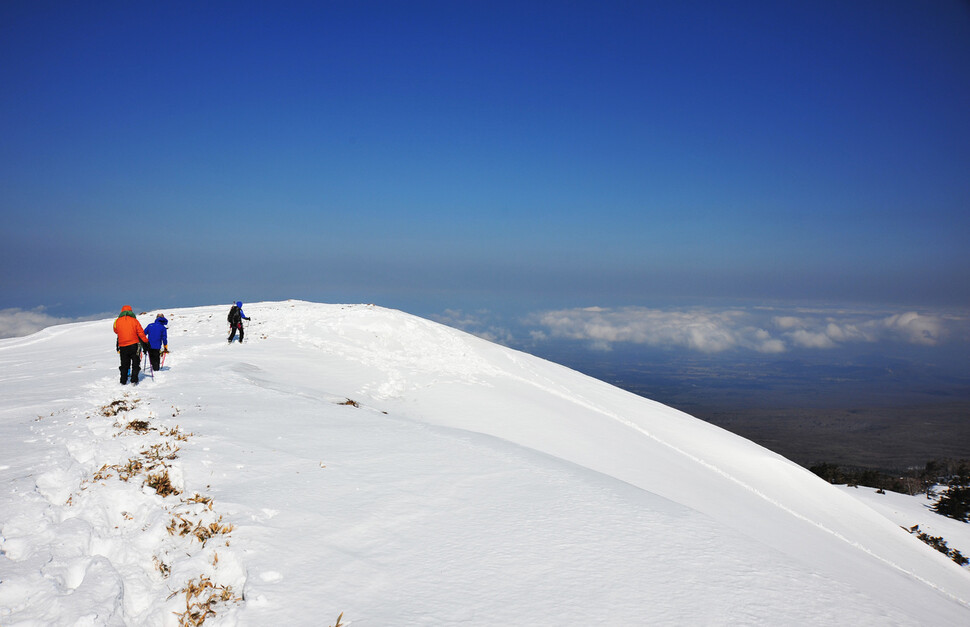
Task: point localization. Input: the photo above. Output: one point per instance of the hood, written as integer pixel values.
(239, 304)
(126, 311)
(161, 319)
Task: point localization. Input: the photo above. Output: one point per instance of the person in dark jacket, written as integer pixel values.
(131, 338)
(236, 316)
(157, 340)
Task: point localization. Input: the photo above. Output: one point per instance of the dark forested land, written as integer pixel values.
(863, 414)
(888, 438)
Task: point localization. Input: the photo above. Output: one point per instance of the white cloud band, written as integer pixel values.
(19, 322)
(764, 331)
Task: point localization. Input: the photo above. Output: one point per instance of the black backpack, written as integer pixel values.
(234, 314)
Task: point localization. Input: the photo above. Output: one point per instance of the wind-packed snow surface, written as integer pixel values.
(354, 459)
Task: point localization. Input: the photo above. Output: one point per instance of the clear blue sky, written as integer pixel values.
(433, 155)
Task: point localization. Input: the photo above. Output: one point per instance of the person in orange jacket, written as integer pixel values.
(131, 338)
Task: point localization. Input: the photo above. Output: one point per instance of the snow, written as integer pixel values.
(909, 511)
(355, 459)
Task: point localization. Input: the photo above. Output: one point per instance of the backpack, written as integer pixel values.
(234, 314)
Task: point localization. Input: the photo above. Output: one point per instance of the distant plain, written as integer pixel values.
(866, 411)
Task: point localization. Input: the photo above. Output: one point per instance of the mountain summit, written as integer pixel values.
(355, 459)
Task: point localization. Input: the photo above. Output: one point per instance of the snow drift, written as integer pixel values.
(349, 458)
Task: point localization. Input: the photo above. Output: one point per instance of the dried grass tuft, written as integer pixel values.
(130, 469)
(180, 526)
(103, 473)
(162, 484)
(177, 433)
(200, 597)
(138, 426)
(159, 453)
(162, 567)
(119, 406)
(198, 498)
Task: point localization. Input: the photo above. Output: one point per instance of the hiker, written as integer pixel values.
(236, 316)
(131, 338)
(157, 340)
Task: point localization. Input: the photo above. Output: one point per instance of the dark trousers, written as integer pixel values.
(130, 358)
(154, 356)
(232, 331)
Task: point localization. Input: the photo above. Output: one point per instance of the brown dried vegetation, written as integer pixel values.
(162, 567)
(119, 406)
(202, 532)
(202, 596)
(198, 606)
(161, 483)
(177, 433)
(138, 426)
(198, 498)
(160, 453)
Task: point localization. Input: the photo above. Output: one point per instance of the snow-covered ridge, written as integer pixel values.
(467, 482)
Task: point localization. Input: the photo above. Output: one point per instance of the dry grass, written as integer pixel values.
(160, 453)
(200, 597)
(162, 567)
(138, 426)
(130, 469)
(198, 498)
(351, 403)
(151, 459)
(125, 472)
(103, 473)
(177, 433)
(119, 406)
(180, 526)
(161, 483)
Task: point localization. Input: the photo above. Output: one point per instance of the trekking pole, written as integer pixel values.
(163, 360)
(148, 362)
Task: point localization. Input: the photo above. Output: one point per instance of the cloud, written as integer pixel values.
(831, 331)
(916, 328)
(701, 330)
(789, 322)
(479, 324)
(759, 329)
(19, 322)
(811, 339)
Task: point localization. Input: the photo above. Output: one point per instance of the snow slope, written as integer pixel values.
(909, 511)
(466, 483)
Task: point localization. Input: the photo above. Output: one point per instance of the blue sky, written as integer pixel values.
(517, 157)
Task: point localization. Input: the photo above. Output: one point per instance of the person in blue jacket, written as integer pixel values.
(236, 316)
(157, 340)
